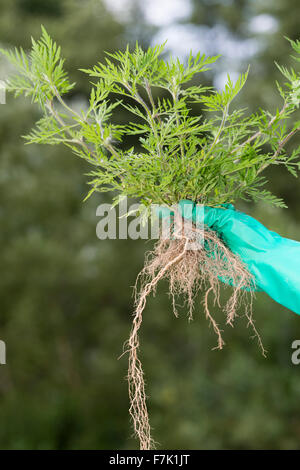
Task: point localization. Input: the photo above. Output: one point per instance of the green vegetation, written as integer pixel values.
(215, 160)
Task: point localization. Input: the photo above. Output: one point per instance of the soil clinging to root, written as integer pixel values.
(192, 260)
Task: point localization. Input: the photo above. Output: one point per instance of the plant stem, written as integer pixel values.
(285, 140)
(279, 148)
(140, 100)
(109, 147)
(222, 125)
(175, 99)
(259, 133)
(63, 124)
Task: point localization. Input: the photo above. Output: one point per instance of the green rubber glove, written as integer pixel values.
(273, 260)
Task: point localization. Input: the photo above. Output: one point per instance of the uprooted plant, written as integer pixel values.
(213, 160)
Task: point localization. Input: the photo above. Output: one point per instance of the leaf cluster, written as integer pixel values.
(215, 157)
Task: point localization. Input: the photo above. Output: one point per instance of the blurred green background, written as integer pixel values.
(66, 297)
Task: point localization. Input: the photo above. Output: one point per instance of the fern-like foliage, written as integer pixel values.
(214, 158)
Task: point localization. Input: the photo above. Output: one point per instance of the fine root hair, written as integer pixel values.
(191, 260)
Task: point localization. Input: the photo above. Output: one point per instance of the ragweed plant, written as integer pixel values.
(213, 159)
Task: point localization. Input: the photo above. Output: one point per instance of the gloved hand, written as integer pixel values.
(273, 260)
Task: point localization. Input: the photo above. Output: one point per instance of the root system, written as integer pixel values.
(191, 260)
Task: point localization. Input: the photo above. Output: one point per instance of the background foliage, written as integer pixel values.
(65, 296)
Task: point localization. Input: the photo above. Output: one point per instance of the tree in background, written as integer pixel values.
(61, 289)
